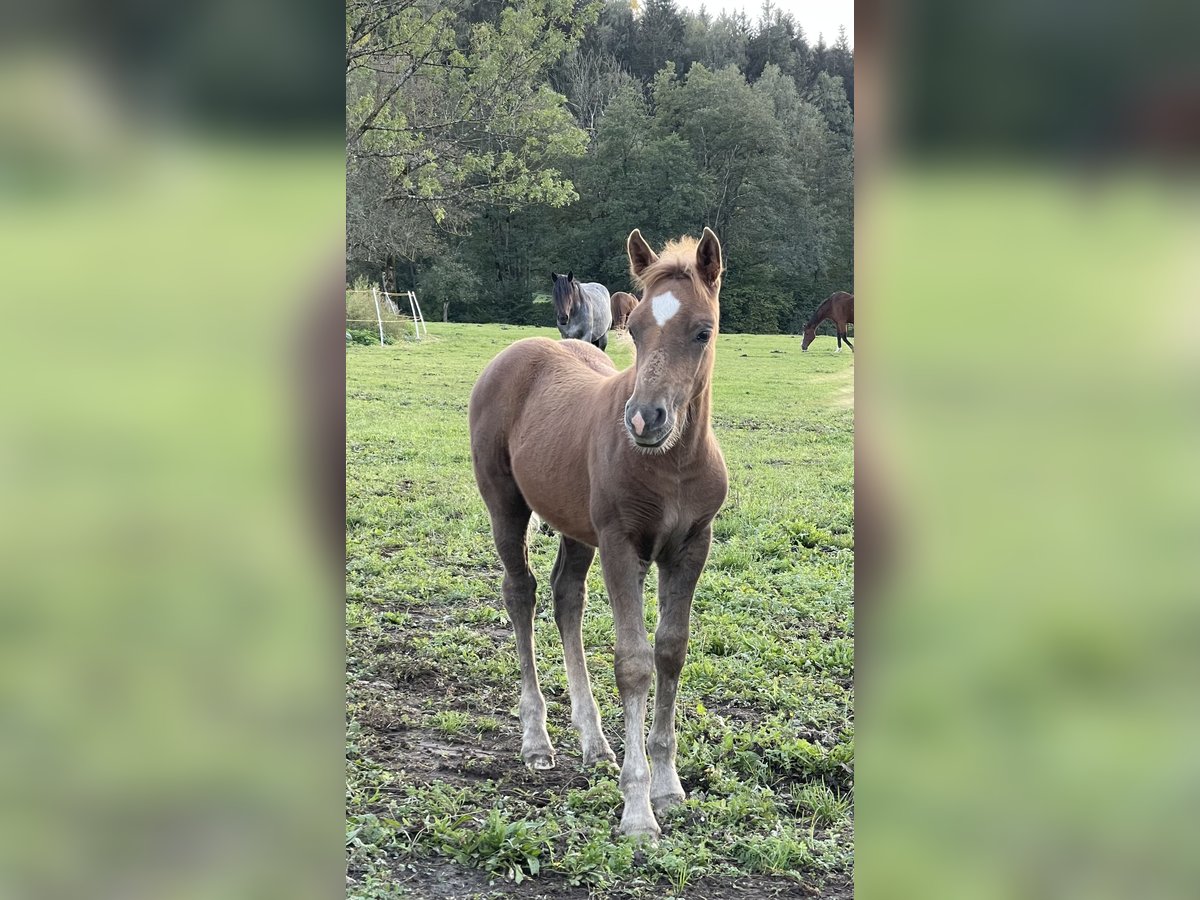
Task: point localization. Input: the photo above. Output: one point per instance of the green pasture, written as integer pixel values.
(438, 802)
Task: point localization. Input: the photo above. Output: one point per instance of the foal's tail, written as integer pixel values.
(534, 526)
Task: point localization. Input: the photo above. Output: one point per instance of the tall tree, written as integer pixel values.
(615, 32)
(772, 42)
(841, 63)
(728, 128)
(589, 79)
(828, 95)
(445, 116)
(659, 37)
(637, 174)
(722, 43)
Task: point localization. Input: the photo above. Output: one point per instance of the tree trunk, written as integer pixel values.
(446, 311)
(389, 275)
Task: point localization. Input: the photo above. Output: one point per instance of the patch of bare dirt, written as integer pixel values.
(441, 879)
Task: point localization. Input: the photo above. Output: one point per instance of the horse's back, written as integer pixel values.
(845, 301)
(598, 300)
(588, 354)
(594, 289)
(525, 370)
(841, 306)
(530, 416)
(495, 398)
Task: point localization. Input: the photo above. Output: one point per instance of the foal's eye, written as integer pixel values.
(704, 336)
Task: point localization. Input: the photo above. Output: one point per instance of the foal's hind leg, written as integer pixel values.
(848, 344)
(510, 519)
(570, 597)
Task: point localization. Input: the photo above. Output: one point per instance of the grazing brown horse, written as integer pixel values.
(622, 306)
(839, 307)
(621, 461)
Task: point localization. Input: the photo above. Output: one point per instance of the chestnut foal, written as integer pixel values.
(621, 461)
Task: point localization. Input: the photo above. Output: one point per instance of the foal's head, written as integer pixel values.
(674, 328)
(566, 301)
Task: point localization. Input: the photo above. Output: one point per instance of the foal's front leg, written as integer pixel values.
(677, 579)
(634, 663)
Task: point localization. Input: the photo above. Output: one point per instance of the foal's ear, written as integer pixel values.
(570, 277)
(553, 278)
(640, 254)
(708, 257)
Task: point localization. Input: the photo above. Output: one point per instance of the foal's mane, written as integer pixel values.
(676, 260)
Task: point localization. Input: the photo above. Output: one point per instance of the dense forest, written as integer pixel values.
(489, 143)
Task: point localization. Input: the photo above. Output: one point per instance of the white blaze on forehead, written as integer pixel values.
(664, 306)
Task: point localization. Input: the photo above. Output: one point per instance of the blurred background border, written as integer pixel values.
(171, 458)
(1027, 229)
(170, 462)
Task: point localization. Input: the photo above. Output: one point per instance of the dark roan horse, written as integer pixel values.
(622, 305)
(839, 307)
(582, 311)
(624, 461)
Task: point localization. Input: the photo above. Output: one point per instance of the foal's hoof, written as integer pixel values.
(664, 804)
(603, 757)
(641, 830)
(539, 762)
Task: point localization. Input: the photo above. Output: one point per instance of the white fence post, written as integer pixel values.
(413, 309)
(424, 324)
(378, 314)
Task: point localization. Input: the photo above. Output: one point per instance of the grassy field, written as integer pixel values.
(438, 801)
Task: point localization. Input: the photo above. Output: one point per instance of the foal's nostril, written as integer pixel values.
(645, 420)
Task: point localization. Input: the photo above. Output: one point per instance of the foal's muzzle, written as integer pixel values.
(649, 424)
